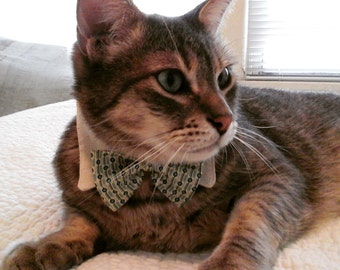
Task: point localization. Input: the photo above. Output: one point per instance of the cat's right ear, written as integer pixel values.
(212, 13)
(101, 22)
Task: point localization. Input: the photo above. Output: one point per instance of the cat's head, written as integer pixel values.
(154, 86)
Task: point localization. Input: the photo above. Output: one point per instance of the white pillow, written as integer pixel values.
(32, 75)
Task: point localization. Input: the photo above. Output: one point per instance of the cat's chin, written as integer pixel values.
(202, 154)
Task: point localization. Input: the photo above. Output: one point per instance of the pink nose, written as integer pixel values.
(221, 123)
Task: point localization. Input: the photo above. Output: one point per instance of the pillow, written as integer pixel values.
(32, 75)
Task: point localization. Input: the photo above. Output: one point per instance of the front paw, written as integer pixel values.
(50, 256)
(22, 258)
(228, 261)
(215, 264)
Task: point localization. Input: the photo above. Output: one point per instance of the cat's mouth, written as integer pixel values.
(189, 149)
(205, 152)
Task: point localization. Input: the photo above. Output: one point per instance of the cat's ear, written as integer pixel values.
(211, 14)
(101, 22)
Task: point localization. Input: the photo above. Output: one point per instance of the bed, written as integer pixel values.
(30, 202)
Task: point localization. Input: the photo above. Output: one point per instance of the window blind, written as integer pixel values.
(290, 38)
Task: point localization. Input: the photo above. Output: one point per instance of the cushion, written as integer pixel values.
(32, 75)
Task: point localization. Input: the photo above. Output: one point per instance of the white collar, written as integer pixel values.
(89, 142)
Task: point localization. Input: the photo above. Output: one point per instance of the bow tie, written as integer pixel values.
(116, 178)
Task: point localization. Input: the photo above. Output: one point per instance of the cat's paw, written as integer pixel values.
(219, 263)
(50, 256)
(21, 258)
(213, 264)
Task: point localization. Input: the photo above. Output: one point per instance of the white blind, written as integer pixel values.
(293, 38)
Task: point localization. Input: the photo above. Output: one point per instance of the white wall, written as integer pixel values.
(54, 21)
(39, 21)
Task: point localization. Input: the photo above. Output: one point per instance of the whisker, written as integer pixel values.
(150, 140)
(160, 151)
(164, 169)
(89, 196)
(247, 133)
(147, 155)
(103, 121)
(253, 138)
(173, 156)
(171, 35)
(184, 155)
(244, 159)
(260, 155)
(265, 127)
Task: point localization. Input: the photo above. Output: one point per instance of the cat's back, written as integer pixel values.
(309, 116)
(306, 128)
(321, 108)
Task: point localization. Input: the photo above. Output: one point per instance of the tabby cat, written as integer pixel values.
(257, 167)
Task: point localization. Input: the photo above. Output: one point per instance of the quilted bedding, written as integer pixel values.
(30, 204)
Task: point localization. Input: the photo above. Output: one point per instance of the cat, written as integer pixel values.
(161, 91)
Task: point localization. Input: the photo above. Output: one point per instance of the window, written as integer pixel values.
(290, 39)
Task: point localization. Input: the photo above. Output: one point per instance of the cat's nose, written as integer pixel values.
(221, 123)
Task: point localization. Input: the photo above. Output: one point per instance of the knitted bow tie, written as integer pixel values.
(116, 178)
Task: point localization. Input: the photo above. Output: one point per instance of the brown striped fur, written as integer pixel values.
(276, 177)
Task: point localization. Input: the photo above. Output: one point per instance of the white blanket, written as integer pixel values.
(30, 204)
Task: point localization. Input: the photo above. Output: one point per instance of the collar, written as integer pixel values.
(88, 142)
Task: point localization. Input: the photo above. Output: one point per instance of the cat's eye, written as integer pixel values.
(224, 78)
(171, 80)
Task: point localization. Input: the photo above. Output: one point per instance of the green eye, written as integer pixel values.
(171, 80)
(224, 78)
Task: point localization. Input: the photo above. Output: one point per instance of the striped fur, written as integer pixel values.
(277, 153)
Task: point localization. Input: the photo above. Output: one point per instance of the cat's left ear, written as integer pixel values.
(103, 22)
(211, 14)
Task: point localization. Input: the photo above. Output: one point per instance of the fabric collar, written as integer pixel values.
(88, 143)
(116, 178)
